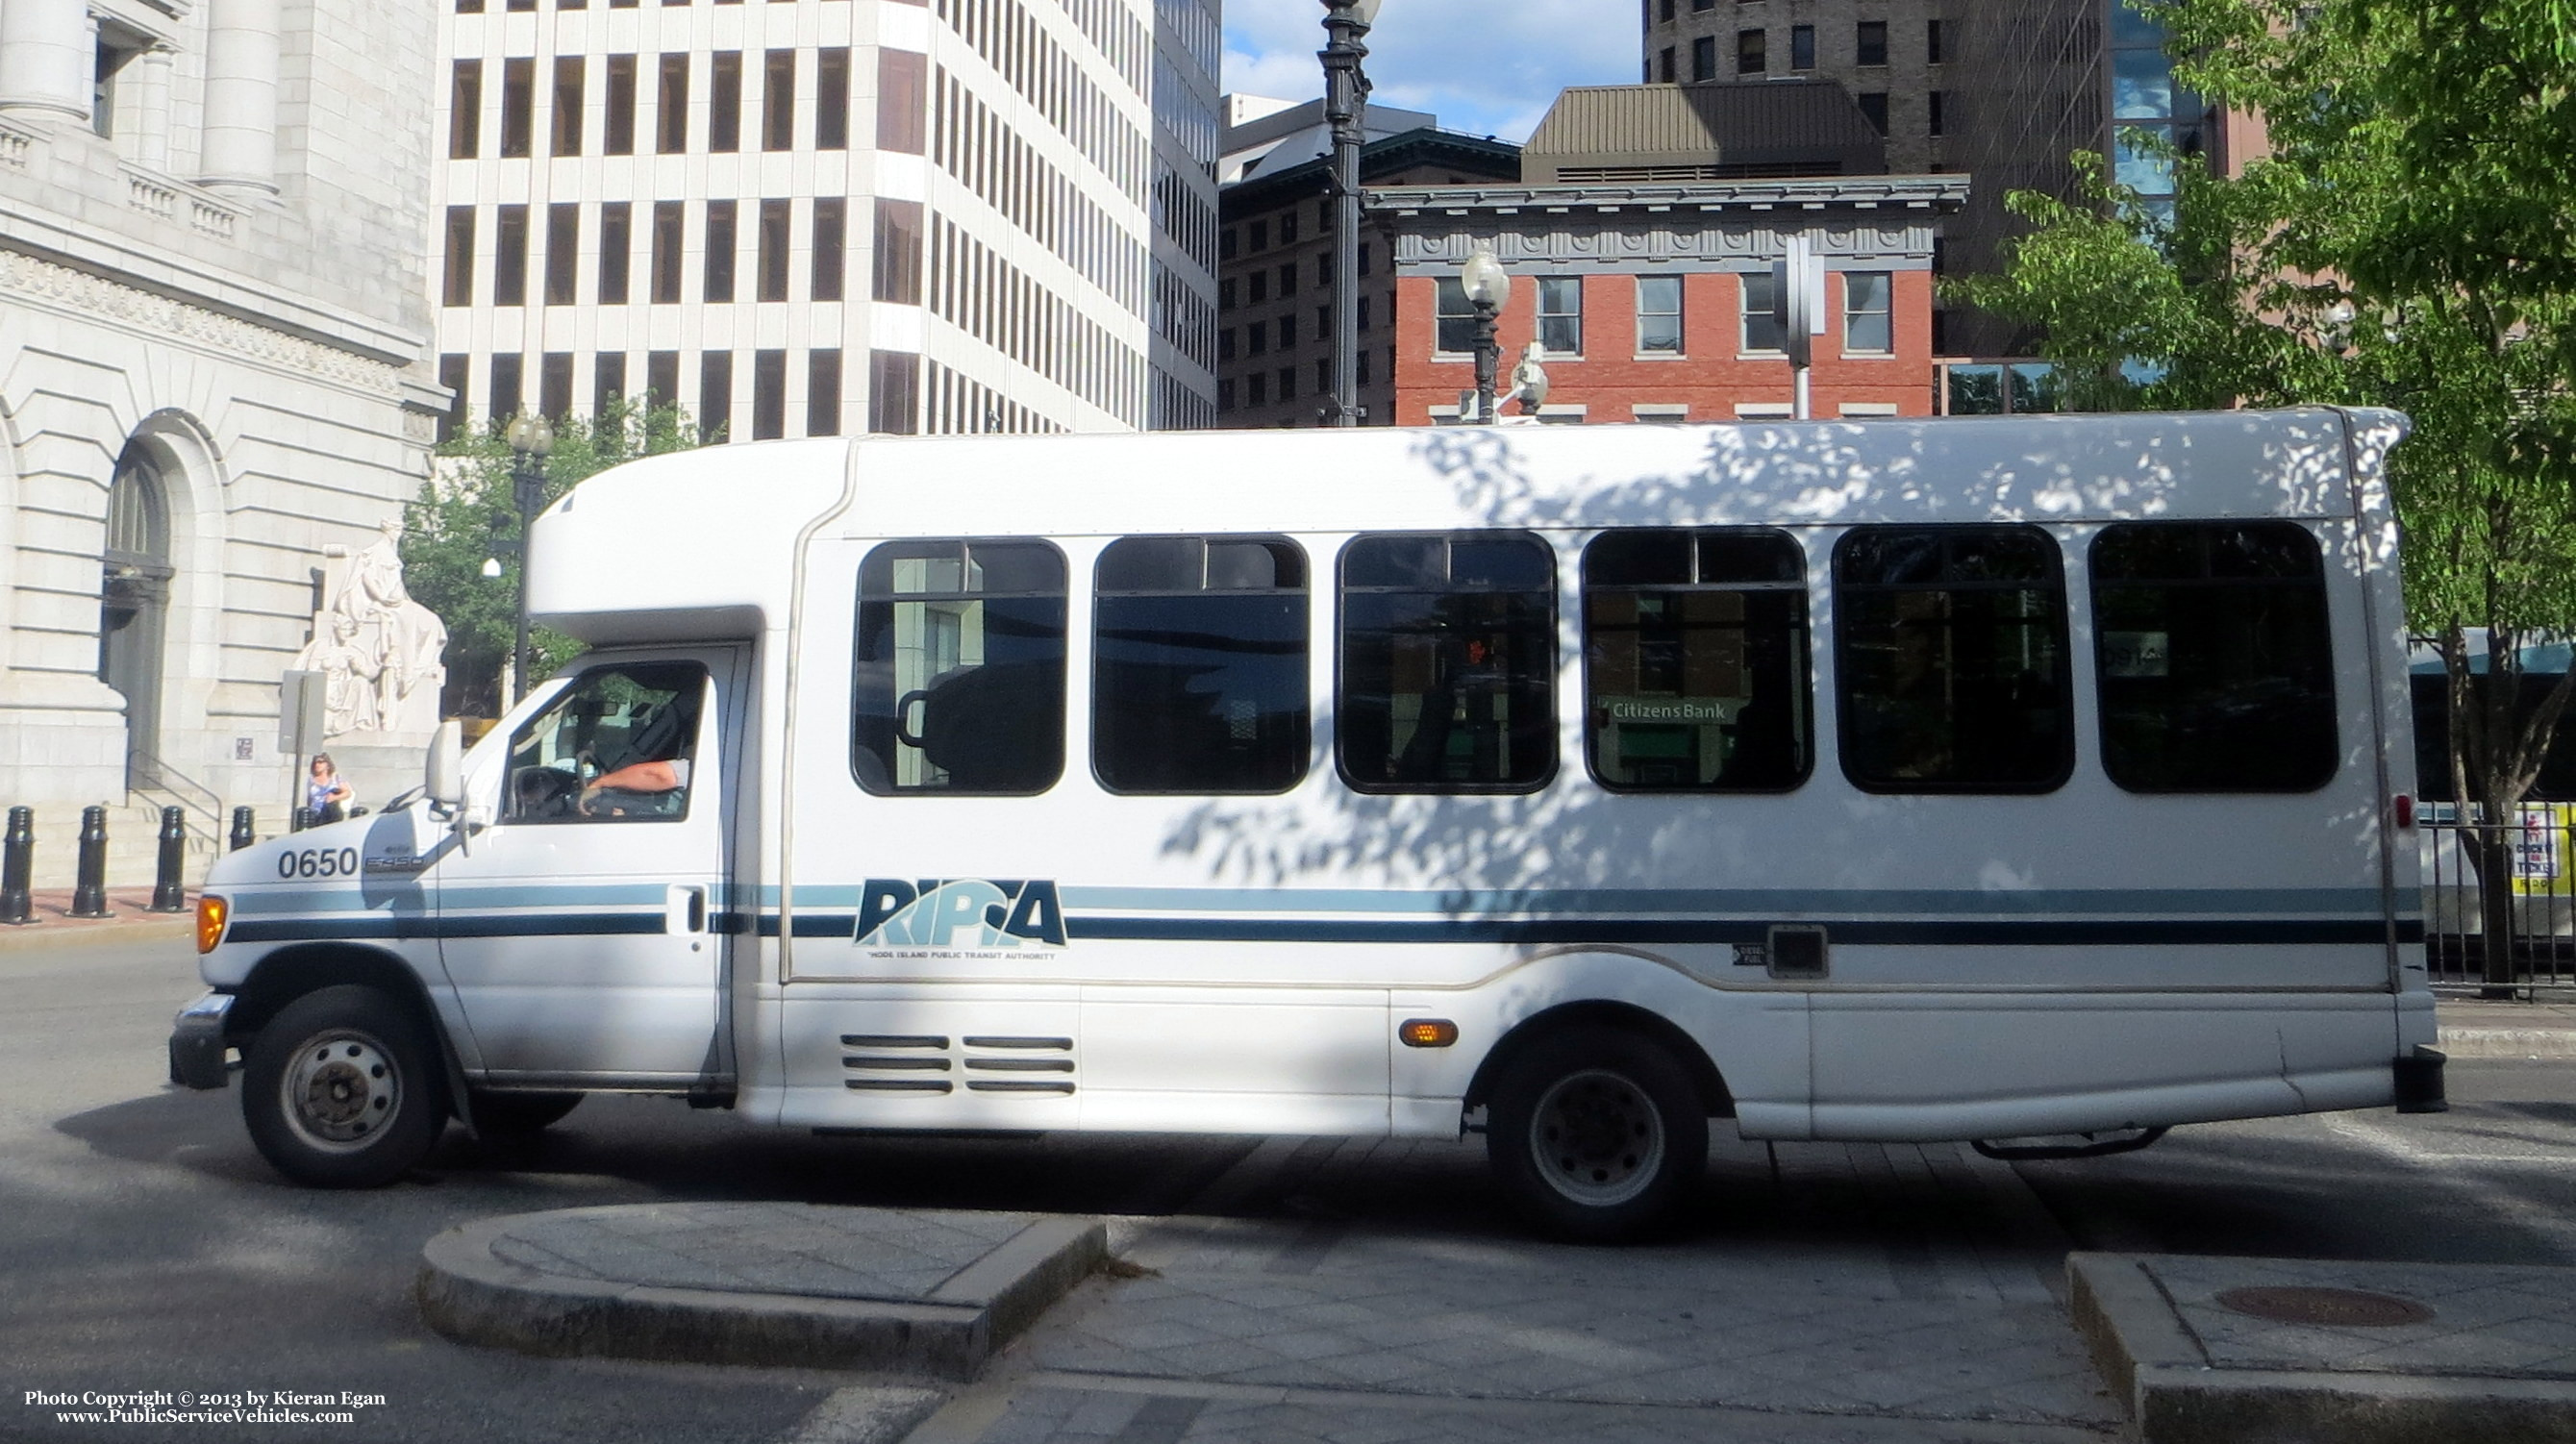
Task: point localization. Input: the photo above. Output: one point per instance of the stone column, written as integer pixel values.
(242, 44)
(48, 58)
(152, 108)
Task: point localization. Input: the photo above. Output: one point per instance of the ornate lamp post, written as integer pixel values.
(1346, 91)
(530, 439)
(1487, 286)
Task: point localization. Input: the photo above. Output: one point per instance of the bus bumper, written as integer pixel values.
(197, 1043)
(2419, 1081)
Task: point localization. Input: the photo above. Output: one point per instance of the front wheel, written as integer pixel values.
(342, 1090)
(1597, 1134)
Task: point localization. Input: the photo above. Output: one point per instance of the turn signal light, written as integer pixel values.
(2405, 811)
(212, 913)
(1427, 1032)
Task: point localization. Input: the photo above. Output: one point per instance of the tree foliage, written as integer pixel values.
(2409, 240)
(466, 515)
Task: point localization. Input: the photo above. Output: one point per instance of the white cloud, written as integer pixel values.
(1488, 68)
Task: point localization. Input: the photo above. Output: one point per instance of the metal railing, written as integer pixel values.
(2500, 900)
(145, 772)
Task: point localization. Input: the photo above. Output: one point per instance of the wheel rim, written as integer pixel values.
(341, 1091)
(1597, 1138)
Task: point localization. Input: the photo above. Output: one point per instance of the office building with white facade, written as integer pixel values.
(213, 340)
(819, 217)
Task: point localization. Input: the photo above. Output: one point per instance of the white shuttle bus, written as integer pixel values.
(2028, 781)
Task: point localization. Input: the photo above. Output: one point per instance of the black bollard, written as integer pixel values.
(302, 819)
(357, 812)
(89, 889)
(169, 895)
(242, 836)
(17, 865)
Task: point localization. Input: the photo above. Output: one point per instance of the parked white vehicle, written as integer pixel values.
(1959, 779)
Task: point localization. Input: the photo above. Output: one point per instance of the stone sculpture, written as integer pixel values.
(381, 654)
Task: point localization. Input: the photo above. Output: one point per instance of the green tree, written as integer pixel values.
(465, 516)
(2409, 240)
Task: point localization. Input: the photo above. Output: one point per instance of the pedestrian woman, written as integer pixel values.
(325, 795)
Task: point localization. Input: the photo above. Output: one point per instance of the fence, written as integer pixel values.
(2534, 911)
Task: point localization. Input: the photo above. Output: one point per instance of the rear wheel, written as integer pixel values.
(513, 1115)
(342, 1090)
(1597, 1134)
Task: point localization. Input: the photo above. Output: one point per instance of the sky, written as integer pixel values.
(1489, 68)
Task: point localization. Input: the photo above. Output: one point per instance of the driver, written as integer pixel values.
(658, 769)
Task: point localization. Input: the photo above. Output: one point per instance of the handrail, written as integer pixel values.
(148, 773)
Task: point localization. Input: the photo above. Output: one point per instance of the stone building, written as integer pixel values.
(212, 314)
(1900, 59)
(820, 217)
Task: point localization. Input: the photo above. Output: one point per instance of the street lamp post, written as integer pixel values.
(530, 439)
(1346, 90)
(1487, 286)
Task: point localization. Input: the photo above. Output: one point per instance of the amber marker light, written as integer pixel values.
(212, 913)
(1427, 1032)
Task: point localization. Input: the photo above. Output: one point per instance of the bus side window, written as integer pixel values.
(960, 668)
(2216, 668)
(1695, 661)
(1448, 663)
(1950, 648)
(1199, 672)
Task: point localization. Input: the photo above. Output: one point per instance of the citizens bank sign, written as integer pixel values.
(1669, 709)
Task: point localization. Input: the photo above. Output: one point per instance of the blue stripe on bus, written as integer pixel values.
(421, 925)
(1674, 931)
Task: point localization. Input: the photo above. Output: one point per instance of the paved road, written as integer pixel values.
(1856, 1292)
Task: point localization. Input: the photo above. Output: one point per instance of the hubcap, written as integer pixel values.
(341, 1090)
(1597, 1138)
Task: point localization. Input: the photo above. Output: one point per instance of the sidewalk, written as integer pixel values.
(129, 920)
(2472, 1028)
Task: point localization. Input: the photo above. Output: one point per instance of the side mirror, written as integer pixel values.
(444, 777)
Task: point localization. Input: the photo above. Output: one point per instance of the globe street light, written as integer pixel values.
(530, 439)
(1346, 91)
(1487, 286)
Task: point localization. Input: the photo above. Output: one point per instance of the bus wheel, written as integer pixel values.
(515, 1115)
(1597, 1135)
(341, 1089)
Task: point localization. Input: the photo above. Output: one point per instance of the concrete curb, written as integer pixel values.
(53, 933)
(472, 1296)
(2175, 1395)
(2508, 1042)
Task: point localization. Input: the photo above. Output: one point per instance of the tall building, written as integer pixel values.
(816, 217)
(212, 322)
(1900, 59)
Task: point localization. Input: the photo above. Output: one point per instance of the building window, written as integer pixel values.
(1225, 244)
(1199, 665)
(510, 256)
(458, 289)
(718, 275)
(1454, 329)
(1664, 11)
(898, 260)
(831, 223)
(778, 100)
(1560, 315)
(1364, 258)
(554, 384)
(775, 245)
(1360, 373)
(1448, 663)
(1802, 47)
(823, 393)
(568, 104)
(1867, 325)
(617, 127)
(894, 392)
(662, 378)
(960, 668)
(1664, 65)
(563, 257)
(616, 250)
(507, 393)
(1950, 646)
(768, 395)
(1288, 272)
(1258, 286)
(1324, 374)
(832, 99)
(1933, 107)
(1751, 52)
(1932, 42)
(465, 111)
(1287, 332)
(1287, 383)
(1256, 389)
(1260, 240)
(715, 396)
(1873, 106)
(1362, 309)
(1225, 394)
(1256, 338)
(1225, 344)
(1659, 314)
(667, 249)
(724, 101)
(455, 372)
(1761, 327)
(518, 107)
(1696, 673)
(671, 107)
(1870, 42)
(2215, 667)
(1225, 294)
(607, 381)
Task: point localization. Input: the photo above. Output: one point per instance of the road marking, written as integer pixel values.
(865, 1414)
(2545, 1221)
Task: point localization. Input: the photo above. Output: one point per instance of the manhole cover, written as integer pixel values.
(2300, 1304)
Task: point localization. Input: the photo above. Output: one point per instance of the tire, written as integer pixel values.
(516, 1115)
(1597, 1134)
(342, 1089)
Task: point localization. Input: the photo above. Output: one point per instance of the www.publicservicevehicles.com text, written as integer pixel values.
(237, 1406)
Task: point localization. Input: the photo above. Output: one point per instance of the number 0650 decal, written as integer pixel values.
(318, 862)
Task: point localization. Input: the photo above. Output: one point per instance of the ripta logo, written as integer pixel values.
(969, 912)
